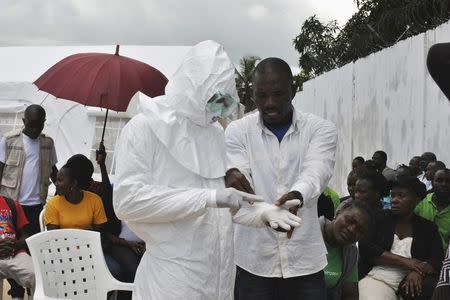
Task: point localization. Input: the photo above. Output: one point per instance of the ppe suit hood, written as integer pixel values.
(178, 118)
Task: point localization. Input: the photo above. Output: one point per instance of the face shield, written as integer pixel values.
(220, 105)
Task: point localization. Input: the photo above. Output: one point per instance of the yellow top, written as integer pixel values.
(83, 215)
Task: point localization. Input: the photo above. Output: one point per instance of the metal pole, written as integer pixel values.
(104, 125)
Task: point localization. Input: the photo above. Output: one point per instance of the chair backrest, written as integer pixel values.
(69, 264)
(41, 220)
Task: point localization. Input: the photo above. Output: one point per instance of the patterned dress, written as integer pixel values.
(442, 291)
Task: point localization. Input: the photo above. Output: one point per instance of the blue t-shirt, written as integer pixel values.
(279, 131)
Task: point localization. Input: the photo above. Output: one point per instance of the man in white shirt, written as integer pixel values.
(427, 157)
(27, 161)
(281, 154)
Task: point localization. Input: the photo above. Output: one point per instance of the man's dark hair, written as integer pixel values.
(403, 166)
(439, 165)
(81, 169)
(413, 184)
(273, 62)
(382, 154)
(429, 156)
(370, 164)
(376, 179)
(35, 109)
(360, 159)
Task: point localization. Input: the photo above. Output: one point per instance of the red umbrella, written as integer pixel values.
(101, 80)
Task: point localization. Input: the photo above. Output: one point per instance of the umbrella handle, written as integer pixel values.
(104, 126)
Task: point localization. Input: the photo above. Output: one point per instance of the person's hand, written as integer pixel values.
(280, 218)
(427, 268)
(233, 198)
(294, 209)
(7, 248)
(415, 265)
(137, 248)
(100, 154)
(413, 284)
(235, 179)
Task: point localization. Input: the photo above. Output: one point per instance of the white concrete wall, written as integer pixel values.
(385, 101)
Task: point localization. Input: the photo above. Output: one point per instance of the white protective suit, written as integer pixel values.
(170, 162)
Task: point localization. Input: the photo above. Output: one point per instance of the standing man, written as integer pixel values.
(281, 154)
(380, 159)
(27, 161)
(170, 184)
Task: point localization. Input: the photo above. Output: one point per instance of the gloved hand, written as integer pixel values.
(278, 217)
(232, 198)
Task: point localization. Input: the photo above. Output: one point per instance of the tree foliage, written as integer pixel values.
(376, 25)
(244, 81)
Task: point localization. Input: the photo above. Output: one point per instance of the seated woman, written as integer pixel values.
(371, 187)
(351, 182)
(126, 248)
(404, 252)
(73, 207)
(350, 224)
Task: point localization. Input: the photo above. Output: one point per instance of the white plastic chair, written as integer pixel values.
(41, 220)
(69, 264)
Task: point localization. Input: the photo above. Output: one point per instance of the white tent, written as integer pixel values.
(74, 127)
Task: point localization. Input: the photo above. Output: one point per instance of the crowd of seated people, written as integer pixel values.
(402, 239)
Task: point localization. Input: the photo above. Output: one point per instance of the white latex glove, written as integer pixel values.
(232, 198)
(277, 216)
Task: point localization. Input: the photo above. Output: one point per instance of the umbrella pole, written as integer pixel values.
(104, 126)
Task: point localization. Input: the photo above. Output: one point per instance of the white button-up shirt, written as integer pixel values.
(303, 161)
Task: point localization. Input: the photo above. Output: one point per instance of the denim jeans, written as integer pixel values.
(252, 287)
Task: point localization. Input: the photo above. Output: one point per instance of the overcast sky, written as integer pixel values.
(263, 28)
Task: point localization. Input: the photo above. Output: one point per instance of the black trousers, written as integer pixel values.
(249, 286)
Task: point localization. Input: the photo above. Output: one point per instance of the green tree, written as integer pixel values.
(315, 44)
(244, 81)
(376, 25)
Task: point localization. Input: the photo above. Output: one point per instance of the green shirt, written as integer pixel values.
(428, 210)
(333, 270)
(334, 197)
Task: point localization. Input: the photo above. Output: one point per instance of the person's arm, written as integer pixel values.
(114, 224)
(350, 291)
(136, 247)
(437, 251)
(388, 258)
(53, 161)
(53, 174)
(52, 227)
(318, 163)
(51, 215)
(22, 235)
(99, 227)
(238, 174)
(136, 197)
